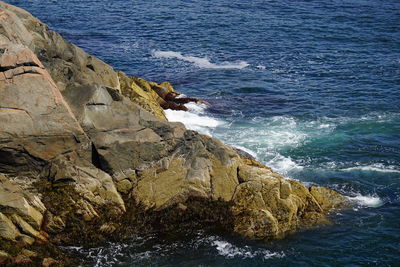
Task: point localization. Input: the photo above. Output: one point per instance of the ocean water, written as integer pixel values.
(311, 88)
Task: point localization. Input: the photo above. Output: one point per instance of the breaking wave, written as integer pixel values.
(194, 119)
(367, 201)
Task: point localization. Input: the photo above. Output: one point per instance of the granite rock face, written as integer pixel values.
(85, 152)
(69, 65)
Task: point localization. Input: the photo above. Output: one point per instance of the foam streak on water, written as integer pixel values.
(373, 168)
(201, 62)
(228, 250)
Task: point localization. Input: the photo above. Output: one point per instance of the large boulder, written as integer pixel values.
(37, 125)
(41, 140)
(163, 165)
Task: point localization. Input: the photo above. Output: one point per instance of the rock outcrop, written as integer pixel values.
(86, 152)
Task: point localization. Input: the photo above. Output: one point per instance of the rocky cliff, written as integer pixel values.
(86, 154)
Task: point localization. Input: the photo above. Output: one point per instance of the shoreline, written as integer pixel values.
(87, 155)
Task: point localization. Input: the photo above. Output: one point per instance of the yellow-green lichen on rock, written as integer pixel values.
(159, 190)
(140, 92)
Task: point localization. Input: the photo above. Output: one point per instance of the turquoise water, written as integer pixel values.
(311, 88)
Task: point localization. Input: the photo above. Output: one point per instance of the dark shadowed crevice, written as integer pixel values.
(19, 162)
(96, 158)
(27, 64)
(90, 66)
(115, 95)
(99, 162)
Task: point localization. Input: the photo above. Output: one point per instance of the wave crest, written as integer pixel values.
(194, 118)
(373, 168)
(367, 201)
(202, 62)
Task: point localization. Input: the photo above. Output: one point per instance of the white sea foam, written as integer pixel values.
(197, 108)
(260, 67)
(229, 251)
(194, 118)
(373, 168)
(367, 201)
(283, 164)
(202, 62)
(266, 137)
(266, 133)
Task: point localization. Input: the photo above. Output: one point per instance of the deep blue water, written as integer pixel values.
(311, 88)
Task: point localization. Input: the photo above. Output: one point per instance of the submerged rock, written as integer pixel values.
(86, 153)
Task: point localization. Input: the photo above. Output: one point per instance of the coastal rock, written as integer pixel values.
(49, 262)
(40, 140)
(14, 200)
(68, 64)
(71, 67)
(4, 257)
(7, 229)
(26, 227)
(327, 198)
(25, 257)
(40, 132)
(140, 92)
(37, 123)
(75, 135)
(265, 205)
(153, 97)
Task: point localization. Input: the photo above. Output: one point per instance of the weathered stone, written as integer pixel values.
(68, 64)
(25, 257)
(124, 186)
(140, 92)
(89, 181)
(17, 203)
(30, 99)
(22, 259)
(55, 224)
(49, 262)
(156, 190)
(327, 198)
(7, 228)
(27, 228)
(15, 200)
(29, 253)
(267, 205)
(252, 173)
(285, 190)
(224, 180)
(4, 257)
(26, 240)
(37, 123)
(86, 210)
(108, 228)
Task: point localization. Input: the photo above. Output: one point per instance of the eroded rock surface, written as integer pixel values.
(86, 152)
